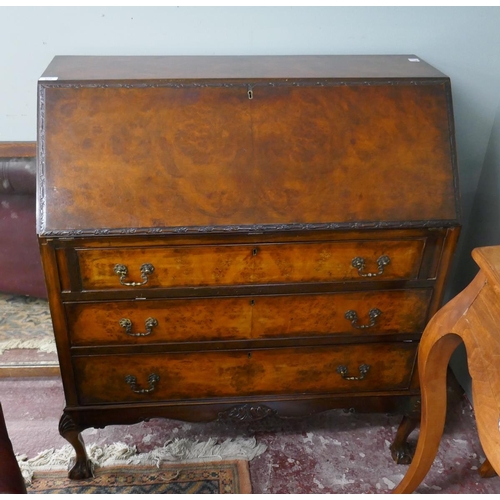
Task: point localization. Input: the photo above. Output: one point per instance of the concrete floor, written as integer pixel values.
(331, 452)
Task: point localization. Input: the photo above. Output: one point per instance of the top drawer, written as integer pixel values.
(238, 264)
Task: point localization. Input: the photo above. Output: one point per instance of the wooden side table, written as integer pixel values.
(472, 317)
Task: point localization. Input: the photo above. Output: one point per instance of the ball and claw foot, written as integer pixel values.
(81, 469)
(81, 466)
(402, 454)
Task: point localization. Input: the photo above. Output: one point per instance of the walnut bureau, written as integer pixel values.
(235, 237)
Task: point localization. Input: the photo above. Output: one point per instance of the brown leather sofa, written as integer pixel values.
(11, 479)
(20, 264)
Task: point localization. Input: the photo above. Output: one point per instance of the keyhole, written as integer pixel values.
(249, 355)
(254, 251)
(250, 94)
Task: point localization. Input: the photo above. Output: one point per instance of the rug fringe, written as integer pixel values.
(42, 345)
(176, 451)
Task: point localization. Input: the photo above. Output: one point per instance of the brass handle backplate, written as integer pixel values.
(150, 323)
(122, 271)
(363, 370)
(359, 264)
(153, 379)
(373, 314)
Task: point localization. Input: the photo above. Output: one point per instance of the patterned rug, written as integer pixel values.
(25, 324)
(190, 478)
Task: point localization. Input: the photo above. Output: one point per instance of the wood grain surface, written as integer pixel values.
(101, 379)
(215, 319)
(152, 157)
(250, 264)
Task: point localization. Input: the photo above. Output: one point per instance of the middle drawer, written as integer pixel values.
(239, 318)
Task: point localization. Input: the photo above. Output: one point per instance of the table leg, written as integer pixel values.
(440, 338)
(434, 354)
(487, 470)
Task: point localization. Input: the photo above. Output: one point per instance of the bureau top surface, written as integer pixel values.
(70, 68)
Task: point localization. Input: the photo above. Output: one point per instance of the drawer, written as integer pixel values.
(170, 320)
(353, 313)
(233, 318)
(224, 265)
(240, 373)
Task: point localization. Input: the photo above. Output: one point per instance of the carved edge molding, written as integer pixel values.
(251, 229)
(41, 187)
(327, 82)
(246, 413)
(257, 228)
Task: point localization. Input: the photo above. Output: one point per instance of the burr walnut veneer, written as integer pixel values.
(235, 237)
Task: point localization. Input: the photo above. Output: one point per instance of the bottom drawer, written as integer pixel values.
(218, 374)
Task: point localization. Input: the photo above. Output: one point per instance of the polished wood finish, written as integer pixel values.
(472, 317)
(178, 320)
(127, 68)
(401, 311)
(231, 318)
(226, 141)
(249, 264)
(486, 469)
(201, 375)
(36, 371)
(296, 216)
(19, 149)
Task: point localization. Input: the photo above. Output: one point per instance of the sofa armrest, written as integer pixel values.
(19, 254)
(17, 176)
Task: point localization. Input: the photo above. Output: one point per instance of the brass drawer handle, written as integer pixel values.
(373, 314)
(127, 324)
(363, 370)
(359, 264)
(122, 271)
(153, 379)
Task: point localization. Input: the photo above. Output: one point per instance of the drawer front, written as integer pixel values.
(211, 319)
(174, 320)
(354, 313)
(223, 265)
(215, 374)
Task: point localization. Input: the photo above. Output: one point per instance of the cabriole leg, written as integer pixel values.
(82, 467)
(401, 451)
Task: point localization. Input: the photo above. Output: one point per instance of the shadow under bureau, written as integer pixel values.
(237, 237)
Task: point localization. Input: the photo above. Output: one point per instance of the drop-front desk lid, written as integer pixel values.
(188, 144)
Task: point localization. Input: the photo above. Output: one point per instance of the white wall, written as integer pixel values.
(483, 230)
(463, 42)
